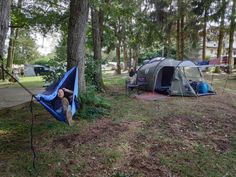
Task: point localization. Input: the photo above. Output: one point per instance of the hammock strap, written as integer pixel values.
(31, 134)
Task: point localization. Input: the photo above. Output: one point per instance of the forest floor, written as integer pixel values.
(171, 137)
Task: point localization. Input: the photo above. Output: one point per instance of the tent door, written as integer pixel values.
(164, 79)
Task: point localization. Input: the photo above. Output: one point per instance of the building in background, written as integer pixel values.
(212, 45)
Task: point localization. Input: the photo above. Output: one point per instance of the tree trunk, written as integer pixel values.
(204, 36)
(4, 23)
(130, 58)
(118, 69)
(231, 37)
(135, 57)
(118, 35)
(178, 40)
(76, 38)
(11, 48)
(125, 58)
(221, 31)
(12, 41)
(169, 44)
(97, 48)
(182, 37)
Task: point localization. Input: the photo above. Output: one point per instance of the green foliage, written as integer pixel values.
(42, 61)
(217, 70)
(207, 58)
(89, 69)
(59, 71)
(44, 16)
(149, 55)
(58, 61)
(92, 105)
(26, 49)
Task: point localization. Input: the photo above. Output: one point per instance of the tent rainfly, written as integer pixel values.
(182, 78)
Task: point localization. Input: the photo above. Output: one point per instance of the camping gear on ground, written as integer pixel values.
(48, 98)
(203, 63)
(173, 77)
(202, 88)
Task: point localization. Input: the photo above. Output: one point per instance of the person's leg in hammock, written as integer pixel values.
(66, 109)
(65, 105)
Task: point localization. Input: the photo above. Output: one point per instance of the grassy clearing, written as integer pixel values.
(176, 136)
(30, 82)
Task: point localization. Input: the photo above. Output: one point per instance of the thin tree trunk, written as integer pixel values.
(130, 58)
(125, 58)
(221, 31)
(76, 38)
(4, 23)
(182, 37)
(97, 48)
(135, 57)
(117, 34)
(118, 69)
(169, 44)
(10, 50)
(231, 37)
(178, 40)
(204, 36)
(12, 41)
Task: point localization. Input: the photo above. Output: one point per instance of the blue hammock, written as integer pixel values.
(49, 98)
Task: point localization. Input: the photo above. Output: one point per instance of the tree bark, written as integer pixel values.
(135, 57)
(118, 69)
(76, 38)
(178, 40)
(182, 37)
(221, 31)
(125, 58)
(4, 23)
(10, 50)
(204, 36)
(12, 41)
(97, 48)
(130, 58)
(231, 37)
(118, 45)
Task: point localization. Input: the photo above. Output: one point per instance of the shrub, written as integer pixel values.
(89, 69)
(217, 70)
(92, 106)
(59, 70)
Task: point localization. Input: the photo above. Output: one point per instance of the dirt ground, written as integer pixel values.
(135, 147)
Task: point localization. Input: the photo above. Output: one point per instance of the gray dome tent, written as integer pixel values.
(172, 76)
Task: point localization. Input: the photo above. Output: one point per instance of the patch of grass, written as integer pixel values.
(120, 174)
(114, 79)
(111, 156)
(44, 162)
(202, 161)
(15, 141)
(29, 82)
(92, 112)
